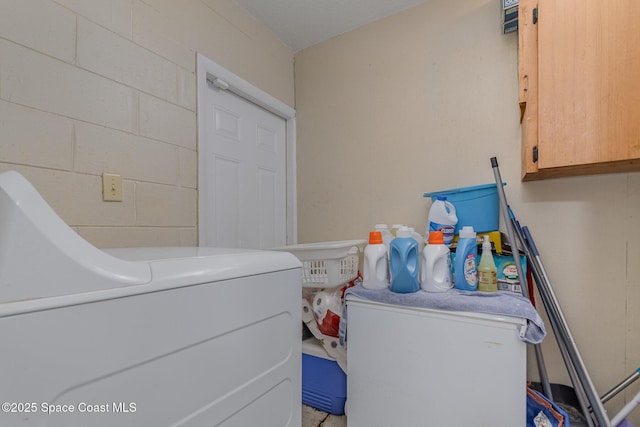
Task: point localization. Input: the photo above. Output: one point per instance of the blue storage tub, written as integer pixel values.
(477, 206)
(324, 383)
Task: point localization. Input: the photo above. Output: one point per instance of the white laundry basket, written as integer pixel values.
(327, 264)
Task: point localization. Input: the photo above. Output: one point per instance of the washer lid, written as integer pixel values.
(41, 256)
(182, 266)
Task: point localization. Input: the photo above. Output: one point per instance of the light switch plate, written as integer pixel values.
(111, 187)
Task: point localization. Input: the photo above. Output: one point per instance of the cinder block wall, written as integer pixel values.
(93, 86)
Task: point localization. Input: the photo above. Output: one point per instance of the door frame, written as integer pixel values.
(207, 69)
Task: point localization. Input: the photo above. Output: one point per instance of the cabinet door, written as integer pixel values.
(528, 84)
(589, 94)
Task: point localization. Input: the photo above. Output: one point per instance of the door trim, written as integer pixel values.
(208, 69)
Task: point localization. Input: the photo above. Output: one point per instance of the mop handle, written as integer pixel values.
(512, 240)
(587, 385)
(542, 369)
(532, 244)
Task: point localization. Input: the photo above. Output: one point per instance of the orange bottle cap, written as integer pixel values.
(436, 238)
(375, 237)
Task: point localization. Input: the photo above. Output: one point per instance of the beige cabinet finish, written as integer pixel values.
(579, 71)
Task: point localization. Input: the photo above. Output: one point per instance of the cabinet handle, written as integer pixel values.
(535, 15)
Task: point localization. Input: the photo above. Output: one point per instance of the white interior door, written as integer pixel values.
(245, 169)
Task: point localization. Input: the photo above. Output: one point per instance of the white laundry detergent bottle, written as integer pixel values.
(435, 272)
(418, 238)
(442, 217)
(387, 237)
(376, 265)
(395, 228)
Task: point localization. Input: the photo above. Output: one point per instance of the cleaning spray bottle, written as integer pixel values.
(487, 271)
(465, 270)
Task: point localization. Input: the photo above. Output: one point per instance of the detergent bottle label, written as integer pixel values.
(470, 271)
(448, 231)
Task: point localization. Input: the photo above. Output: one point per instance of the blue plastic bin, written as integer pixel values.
(324, 383)
(477, 206)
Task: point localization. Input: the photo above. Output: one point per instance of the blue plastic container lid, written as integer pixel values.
(478, 188)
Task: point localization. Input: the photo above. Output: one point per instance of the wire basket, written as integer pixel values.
(327, 264)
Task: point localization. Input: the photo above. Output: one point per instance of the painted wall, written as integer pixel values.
(93, 86)
(419, 102)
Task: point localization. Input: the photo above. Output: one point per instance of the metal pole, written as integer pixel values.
(589, 389)
(624, 384)
(542, 370)
(507, 219)
(562, 346)
(554, 325)
(572, 350)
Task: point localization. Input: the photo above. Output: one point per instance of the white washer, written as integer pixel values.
(415, 367)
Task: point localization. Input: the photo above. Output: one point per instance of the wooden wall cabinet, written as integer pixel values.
(579, 87)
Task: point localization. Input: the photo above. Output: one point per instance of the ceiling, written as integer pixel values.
(303, 23)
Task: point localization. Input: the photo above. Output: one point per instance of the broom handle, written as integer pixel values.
(542, 370)
(507, 219)
(589, 389)
(573, 376)
(581, 371)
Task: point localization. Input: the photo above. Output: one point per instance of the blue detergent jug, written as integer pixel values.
(465, 270)
(404, 263)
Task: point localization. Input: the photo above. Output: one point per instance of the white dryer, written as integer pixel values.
(141, 337)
